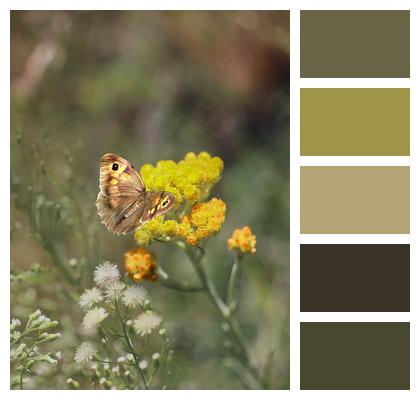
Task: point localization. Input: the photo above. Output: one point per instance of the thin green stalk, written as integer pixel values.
(243, 374)
(171, 283)
(56, 259)
(224, 311)
(85, 238)
(232, 284)
(208, 283)
(21, 372)
(24, 366)
(130, 346)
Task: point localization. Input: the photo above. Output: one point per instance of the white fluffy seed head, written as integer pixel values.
(143, 365)
(114, 290)
(134, 296)
(106, 273)
(93, 318)
(84, 353)
(146, 322)
(90, 297)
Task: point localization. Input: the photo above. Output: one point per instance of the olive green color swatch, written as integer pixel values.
(355, 200)
(355, 44)
(355, 122)
(355, 355)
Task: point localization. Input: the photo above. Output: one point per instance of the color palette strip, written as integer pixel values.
(355, 355)
(355, 44)
(355, 200)
(355, 122)
(355, 278)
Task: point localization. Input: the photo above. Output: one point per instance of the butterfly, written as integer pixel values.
(123, 203)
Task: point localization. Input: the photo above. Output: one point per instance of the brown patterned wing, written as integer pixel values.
(121, 197)
(118, 177)
(123, 203)
(120, 215)
(156, 203)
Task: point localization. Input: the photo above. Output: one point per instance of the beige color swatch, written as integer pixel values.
(355, 200)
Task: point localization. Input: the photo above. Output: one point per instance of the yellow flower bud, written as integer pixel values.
(204, 156)
(191, 193)
(170, 227)
(160, 182)
(142, 237)
(243, 240)
(140, 265)
(190, 156)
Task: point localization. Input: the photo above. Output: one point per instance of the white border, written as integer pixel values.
(296, 161)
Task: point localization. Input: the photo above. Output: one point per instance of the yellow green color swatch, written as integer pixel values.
(355, 122)
(364, 200)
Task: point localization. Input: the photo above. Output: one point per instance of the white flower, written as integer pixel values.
(146, 322)
(143, 364)
(90, 297)
(93, 318)
(16, 335)
(14, 324)
(84, 353)
(134, 296)
(114, 290)
(106, 273)
(73, 262)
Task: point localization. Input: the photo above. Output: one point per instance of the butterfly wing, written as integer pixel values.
(120, 201)
(156, 203)
(118, 177)
(120, 215)
(123, 203)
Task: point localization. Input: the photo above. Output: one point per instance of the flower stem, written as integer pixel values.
(224, 310)
(22, 371)
(130, 346)
(231, 300)
(182, 286)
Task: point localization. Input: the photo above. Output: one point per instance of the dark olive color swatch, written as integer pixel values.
(355, 277)
(355, 355)
(355, 44)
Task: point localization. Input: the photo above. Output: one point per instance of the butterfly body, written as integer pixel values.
(123, 203)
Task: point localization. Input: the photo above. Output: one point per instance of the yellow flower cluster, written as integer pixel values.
(190, 179)
(205, 220)
(158, 228)
(243, 240)
(140, 265)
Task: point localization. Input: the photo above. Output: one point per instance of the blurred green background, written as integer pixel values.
(152, 86)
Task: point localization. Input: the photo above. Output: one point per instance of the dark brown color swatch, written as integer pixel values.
(355, 44)
(354, 277)
(355, 355)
